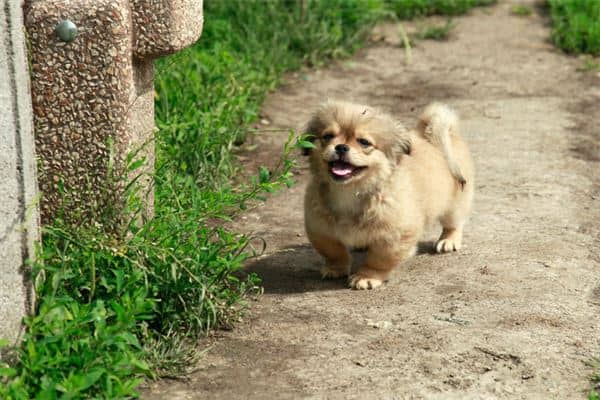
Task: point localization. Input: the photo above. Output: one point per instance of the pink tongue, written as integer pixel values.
(341, 170)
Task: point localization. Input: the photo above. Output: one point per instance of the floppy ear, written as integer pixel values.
(402, 146)
(399, 145)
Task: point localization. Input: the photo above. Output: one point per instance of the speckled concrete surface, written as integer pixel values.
(93, 96)
(165, 26)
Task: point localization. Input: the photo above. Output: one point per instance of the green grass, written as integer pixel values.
(576, 25)
(408, 9)
(411, 9)
(521, 10)
(589, 64)
(206, 101)
(595, 379)
(436, 32)
(104, 300)
(117, 304)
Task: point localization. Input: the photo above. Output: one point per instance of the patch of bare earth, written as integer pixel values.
(514, 315)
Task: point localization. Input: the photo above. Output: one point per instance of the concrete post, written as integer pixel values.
(19, 227)
(93, 97)
(93, 103)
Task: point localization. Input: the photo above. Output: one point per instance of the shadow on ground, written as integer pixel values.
(296, 269)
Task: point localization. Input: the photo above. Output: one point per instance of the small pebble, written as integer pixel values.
(379, 324)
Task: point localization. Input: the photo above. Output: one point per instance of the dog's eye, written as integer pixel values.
(327, 137)
(363, 142)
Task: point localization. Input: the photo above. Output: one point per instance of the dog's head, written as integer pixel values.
(355, 144)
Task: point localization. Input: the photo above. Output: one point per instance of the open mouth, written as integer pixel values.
(342, 170)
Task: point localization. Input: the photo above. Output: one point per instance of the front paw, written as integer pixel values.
(333, 272)
(361, 282)
(447, 245)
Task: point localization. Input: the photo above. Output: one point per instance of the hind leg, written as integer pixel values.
(452, 224)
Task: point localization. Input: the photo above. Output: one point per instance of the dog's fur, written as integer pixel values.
(401, 181)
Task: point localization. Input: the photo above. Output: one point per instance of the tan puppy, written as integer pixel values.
(376, 185)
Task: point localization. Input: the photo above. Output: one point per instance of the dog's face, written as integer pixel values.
(355, 144)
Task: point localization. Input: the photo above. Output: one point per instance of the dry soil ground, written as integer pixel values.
(514, 315)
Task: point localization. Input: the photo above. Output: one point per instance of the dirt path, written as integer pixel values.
(515, 315)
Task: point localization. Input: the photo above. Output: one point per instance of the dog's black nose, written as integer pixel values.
(342, 148)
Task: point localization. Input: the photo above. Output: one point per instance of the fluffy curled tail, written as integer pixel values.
(438, 124)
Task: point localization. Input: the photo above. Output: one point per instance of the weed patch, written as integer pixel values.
(595, 379)
(436, 32)
(576, 25)
(208, 94)
(409, 9)
(591, 65)
(521, 10)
